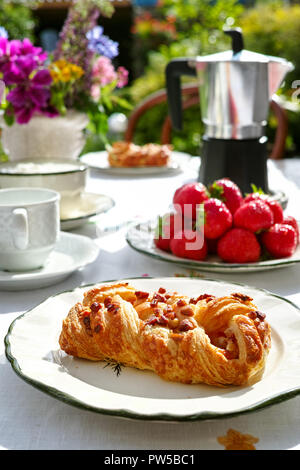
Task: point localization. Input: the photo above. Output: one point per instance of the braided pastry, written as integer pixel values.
(128, 154)
(213, 340)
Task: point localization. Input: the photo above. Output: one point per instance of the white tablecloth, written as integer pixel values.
(30, 419)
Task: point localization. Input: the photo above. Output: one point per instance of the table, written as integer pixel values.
(32, 420)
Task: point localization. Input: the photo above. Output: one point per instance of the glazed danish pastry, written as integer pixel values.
(128, 154)
(212, 340)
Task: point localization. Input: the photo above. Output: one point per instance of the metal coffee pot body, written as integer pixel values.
(235, 89)
(235, 95)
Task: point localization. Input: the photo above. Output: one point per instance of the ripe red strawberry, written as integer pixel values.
(274, 205)
(167, 225)
(188, 197)
(217, 218)
(290, 220)
(228, 192)
(254, 216)
(280, 240)
(189, 244)
(239, 245)
(162, 243)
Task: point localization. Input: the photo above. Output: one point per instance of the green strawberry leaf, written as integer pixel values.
(200, 218)
(217, 191)
(159, 227)
(255, 189)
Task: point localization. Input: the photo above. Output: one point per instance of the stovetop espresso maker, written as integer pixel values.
(235, 88)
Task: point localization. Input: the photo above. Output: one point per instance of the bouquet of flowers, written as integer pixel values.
(79, 75)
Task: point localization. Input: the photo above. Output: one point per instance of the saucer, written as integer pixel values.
(76, 212)
(72, 252)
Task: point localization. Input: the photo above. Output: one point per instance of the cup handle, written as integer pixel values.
(20, 229)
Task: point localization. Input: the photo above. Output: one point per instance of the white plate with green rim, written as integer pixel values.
(32, 348)
(140, 237)
(99, 161)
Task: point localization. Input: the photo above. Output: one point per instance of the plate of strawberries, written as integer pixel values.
(217, 228)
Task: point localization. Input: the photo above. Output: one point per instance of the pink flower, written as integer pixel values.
(19, 59)
(103, 71)
(96, 92)
(122, 77)
(9, 50)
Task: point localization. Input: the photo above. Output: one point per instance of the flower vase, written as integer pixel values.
(46, 138)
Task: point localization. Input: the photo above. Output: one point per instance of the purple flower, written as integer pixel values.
(25, 114)
(18, 70)
(22, 65)
(101, 44)
(73, 44)
(31, 96)
(42, 78)
(50, 111)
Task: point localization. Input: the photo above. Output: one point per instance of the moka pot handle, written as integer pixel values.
(237, 39)
(174, 70)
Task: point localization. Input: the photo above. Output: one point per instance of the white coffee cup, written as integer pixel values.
(29, 227)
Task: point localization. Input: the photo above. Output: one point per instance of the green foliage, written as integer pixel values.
(188, 140)
(17, 19)
(199, 31)
(154, 76)
(203, 21)
(150, 31)
(104, 6)
(97, 132)
(3, 156)
(274, 29)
